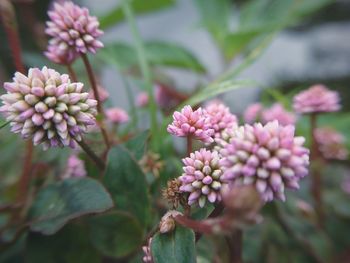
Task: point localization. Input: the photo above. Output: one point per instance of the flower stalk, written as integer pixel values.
(99, 162)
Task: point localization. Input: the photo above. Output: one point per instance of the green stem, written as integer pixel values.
(145, 69)
(131, 101)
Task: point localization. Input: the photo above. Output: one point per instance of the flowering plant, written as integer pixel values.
(174, 176)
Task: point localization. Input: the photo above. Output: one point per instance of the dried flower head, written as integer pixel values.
(117, 115)
(202, 177)
(194, 124)
(251, 114)
(151, 162)
(48, 108)
(73, 30)
(331, 143)
(268, 157)
(75, 167)
(316, 99)
(167, 223)
(220, 117)
(278, 113)
(172, 193)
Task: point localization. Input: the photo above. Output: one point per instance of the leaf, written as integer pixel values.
(58, 203)
(69, 245)
(127, 184)
(116, 234)
(3, 123)
(137, 145)
(175, 247)
(158, 53)
(116, 15)
(215, 17)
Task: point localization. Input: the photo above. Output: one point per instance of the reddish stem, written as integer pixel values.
(189, 145)
(71, 73)
(97, 97)
(235, 243)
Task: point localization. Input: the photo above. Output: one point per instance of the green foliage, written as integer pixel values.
(116, 234)
(175, 247)
(116, 15)
(158, 53)
(3, 123)
(127, 184)
(60, 202)
(69, 245)
(137, 145)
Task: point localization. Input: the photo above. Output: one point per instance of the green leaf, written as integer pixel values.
(116, 234)
(215, 16)
(137, 145)
(175, 247)
(3, 123)
(158, 53)
(58, 203)
(69, 245)
(116, 15)
(127, 184)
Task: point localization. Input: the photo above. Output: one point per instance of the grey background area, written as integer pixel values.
(320, 51)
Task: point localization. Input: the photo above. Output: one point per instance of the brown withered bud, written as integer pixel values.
(167, 223)
(243, 203)
(172, 193)
(151, 162)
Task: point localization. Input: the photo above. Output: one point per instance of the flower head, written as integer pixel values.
(147, 253)
(73, 30)
(60, 56)
(75, 167)
(117, 115)
(46, 107)
(316, 99)
(251, 114)
(202, 177)
(142, 99)
(220, 117)
(102, 94)
(191, 123)
(278, 113)
(331, 144)
(268, 157)
(151, 163)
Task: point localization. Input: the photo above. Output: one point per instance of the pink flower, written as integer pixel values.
(268, 157)
(56, 55)
(75, 167)
(278, 113)
(73, 30)
(142, 99)
(102, 92)
(331, 144)
(189, 123)
(251, 114)
(202, 177)
(316, 99)
(147, 252)
(46, 107)
(117, 115)
(220, 117)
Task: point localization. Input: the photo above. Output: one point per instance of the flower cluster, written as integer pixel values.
(117, 115)
(316, 99)
(331, 144)
(75, 167)
(251, 114)
(202, 177)
(194, 124)
(220, 117)
(48, 108)
(278, 113)
(73, 32)
(268, 157)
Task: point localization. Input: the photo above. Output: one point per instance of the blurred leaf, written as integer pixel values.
(69, 245)
(58, 203)
(215, 16)
(175, 247)
(127, 184)
(116, 15)
(338, 202)
(116, 234)
(137, 145)
(3, 123)
(158, 53)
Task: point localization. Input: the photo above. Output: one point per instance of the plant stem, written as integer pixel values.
(316, 176)
(189, 145)
(145, 69)
(7, 15)
(97, 97)
(235, 243)
(99, 162)
(71, 73)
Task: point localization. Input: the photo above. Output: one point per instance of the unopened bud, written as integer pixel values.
(167, 223)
